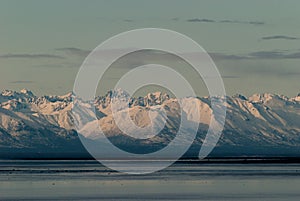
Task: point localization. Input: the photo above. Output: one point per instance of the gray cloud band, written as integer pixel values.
(94, 67)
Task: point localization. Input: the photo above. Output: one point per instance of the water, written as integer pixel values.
(87, 180)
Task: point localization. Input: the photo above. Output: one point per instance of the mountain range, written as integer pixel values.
(42, 127)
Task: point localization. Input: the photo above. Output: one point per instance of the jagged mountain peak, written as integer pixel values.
(23, 92)
(262, 119)
(267, 97)
(8, 93)
(297, 98)
(156, 98)
(26, 92)
(240, 96)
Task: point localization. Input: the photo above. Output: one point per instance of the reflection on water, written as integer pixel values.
(71, 180)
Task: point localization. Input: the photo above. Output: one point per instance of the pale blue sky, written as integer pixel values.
(257, 41)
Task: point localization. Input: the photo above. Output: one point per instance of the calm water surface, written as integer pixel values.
(87, 180)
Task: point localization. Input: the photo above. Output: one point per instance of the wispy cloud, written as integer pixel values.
(31, 56)
(274, 55)
(279, 37)
(257, 55)
(222, 56)
(74, 51)
(253, 22)
(205, 20)
(200, 20)
(242, 22)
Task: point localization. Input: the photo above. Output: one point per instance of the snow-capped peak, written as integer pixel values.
(240, 96)
(26, 92)
(156, 98)
(297, 98)
(266, 97)
(268, 119)
(8, 93)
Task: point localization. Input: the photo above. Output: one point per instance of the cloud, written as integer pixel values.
(293, 56)
(225, 21)
(274, 55)
(143, 55)
(242, 22)
(140, 55)
(200, 20)
(254, 22)
(135, 58)
(22, 82)
(222, 56)
(31, 56)
(276, 37)
(266, 54)
(74, 51)
(256, 55)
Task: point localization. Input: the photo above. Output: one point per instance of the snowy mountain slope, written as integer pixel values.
(28, 121)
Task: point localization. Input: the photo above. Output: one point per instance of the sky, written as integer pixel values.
(255, 44)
